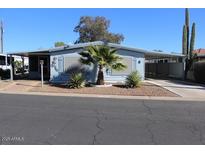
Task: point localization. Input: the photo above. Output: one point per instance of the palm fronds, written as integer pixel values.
(103, 56)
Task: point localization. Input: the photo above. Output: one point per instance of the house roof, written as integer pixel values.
(200, 52)
(82, 45)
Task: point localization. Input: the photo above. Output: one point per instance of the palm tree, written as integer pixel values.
(103, 57)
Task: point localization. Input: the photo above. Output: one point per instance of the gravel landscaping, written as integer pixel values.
(4, 84)
(146, 89)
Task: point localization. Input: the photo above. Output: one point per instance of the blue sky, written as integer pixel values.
(30, 29)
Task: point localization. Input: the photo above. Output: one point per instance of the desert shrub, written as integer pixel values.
(199, 71)
(133, 80)
(76, 81)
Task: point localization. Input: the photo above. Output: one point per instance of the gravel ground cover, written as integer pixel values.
(146, 89)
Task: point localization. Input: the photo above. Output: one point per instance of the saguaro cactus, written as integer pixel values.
(186, 48)
(192, 41)
(187, 27)
(184, 40)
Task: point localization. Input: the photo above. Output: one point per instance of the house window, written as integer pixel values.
(2, 60)
(126, 61)
(71, 61)
(60, 64)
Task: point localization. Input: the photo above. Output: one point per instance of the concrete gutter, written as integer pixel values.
(105, 96)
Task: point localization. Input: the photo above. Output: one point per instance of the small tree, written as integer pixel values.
(18, 65)
(59, 44)
(103, 57)
(96, 29)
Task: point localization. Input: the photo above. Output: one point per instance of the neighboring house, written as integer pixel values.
(200, 54)
(58, 60)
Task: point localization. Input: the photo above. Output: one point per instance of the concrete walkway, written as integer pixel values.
(182, 88)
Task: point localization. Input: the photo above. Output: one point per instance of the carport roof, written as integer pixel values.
(148, 54)
(158, 55)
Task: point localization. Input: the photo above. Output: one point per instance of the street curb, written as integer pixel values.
(104, 96)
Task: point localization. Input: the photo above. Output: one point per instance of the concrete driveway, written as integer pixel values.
(181, 88)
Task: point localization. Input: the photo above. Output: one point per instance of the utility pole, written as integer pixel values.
(2, 31)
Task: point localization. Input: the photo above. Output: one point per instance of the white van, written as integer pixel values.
(4, 62)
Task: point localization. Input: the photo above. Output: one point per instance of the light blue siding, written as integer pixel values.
(135, 66)
(57, 70)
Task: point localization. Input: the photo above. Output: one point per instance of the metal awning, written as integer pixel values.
(31, 53)
(147, 53)
(160, 55)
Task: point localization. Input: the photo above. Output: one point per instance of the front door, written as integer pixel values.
(140, 66)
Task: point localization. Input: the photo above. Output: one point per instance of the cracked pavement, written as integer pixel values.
(46, 120)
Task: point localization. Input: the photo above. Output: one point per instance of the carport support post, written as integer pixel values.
(41, 63)
(22, 58)
(11, 69)
(184, 62)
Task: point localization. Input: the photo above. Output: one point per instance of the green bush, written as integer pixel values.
(133, 80)
(76, 81)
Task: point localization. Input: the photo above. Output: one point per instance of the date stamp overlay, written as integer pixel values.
(11, 139)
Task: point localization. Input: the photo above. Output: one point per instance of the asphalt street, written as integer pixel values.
(27, 119)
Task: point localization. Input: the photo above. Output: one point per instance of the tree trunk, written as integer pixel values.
(100, 79)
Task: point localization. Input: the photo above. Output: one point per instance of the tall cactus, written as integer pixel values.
(187, 26)
(192, 41)
(186, 49)
(184, 40)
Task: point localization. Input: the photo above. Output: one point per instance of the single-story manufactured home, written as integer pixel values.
(58, 61)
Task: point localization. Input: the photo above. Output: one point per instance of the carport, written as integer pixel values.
(164, 65)
(34, 58)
